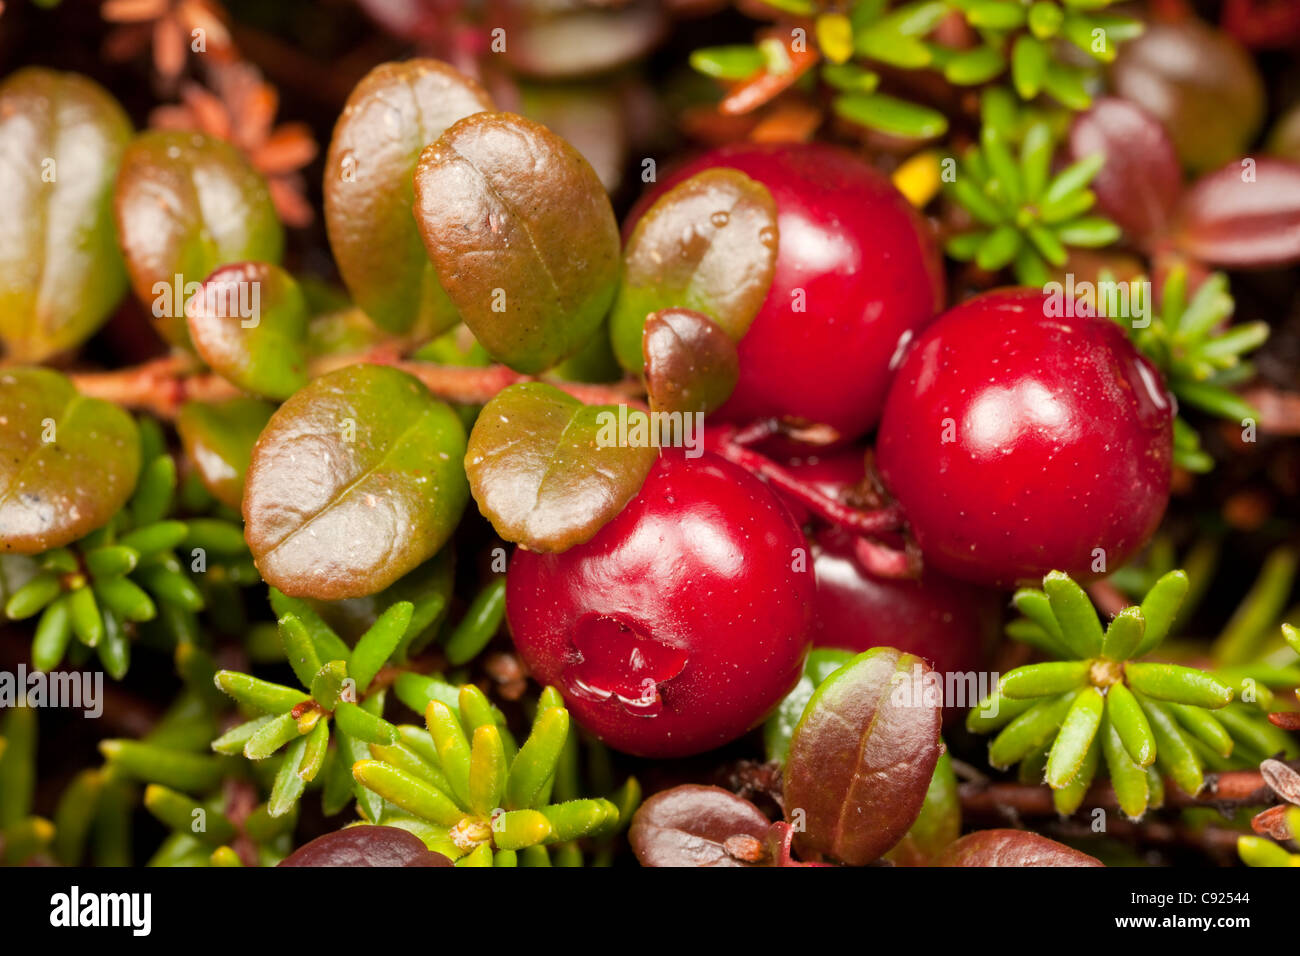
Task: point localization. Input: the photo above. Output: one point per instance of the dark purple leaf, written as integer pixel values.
(366, 846)
(695, 825)
(863, 755)
(1141, 180)
(1012, 848)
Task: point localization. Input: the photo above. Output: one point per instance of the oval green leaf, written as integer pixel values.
(393, 113)
(187, 204)
(218, 438)
(708, 244)
(67, 462)
(60, 269)
(249, 322)
(863, 755)
(522, 236)
(549, 471)
(355, 480)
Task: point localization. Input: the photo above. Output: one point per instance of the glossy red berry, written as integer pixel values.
(682, 622)
(950, 623)
(856, 269)
(1018, 444)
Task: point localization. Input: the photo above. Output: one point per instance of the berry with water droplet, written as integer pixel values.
(1018, 443)
(856, 269)
(683, 622)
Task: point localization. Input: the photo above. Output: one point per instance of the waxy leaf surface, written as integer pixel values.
(218, 438)
(549, 471)
(691, 365)
(708, 244)
(1243, 215)
(392, 114)
(863, 755)
(522, 235)
(690, 825)
(186, 204)
(249, 322)
(1012, 848)
(62, 139)
(355, 481)
(67, 462)
(365, 846)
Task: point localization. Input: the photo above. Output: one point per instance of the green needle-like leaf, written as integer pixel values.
(487, 771)
(183, 813)
(410, 793)
(1034, 605)
(313, 757)
(299, 649)
(1203, 725)
(1172, 682)
(259, 694)
(1160, 607)
(1127, 778)
(1130, 723)
(453, 747)
(1123, 634)
(1080, 627)
(378, 643)
(289, 782)
(233, 741)
(577, 818)
(1043, 680)
(1069, 798)
(479, 625)
(271, 736)
(1029, 731)
(536, 760)
(404, 758)
(172, 768)
(475, 709)
(357, 722)
(1075, 738)
(1174, 752)
(53, 634)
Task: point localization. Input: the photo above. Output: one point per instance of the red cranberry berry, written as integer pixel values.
(949, 623)
(1018, 444)
(856, 269)
(683, 622)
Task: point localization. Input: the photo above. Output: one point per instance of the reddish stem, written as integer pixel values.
(1230, 788)
(163, 385)
(877, 521)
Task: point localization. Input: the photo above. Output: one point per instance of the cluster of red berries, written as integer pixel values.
(1012, 444)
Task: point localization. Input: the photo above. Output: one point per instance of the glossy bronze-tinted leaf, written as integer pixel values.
(522, 235)
(690, 363)
(186, 204)
(708, 244)
(1012, 848)
(938, 824)
(820, 664)
(1243, 215)
(1202, 87)
(863, 755)
(366, 845)
(67, 462)
(249, 322)
(694, 825)
(392, 114)
(60, 269)
(1141, 179)
(355, 481)
(549, 471)
(218, 437)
